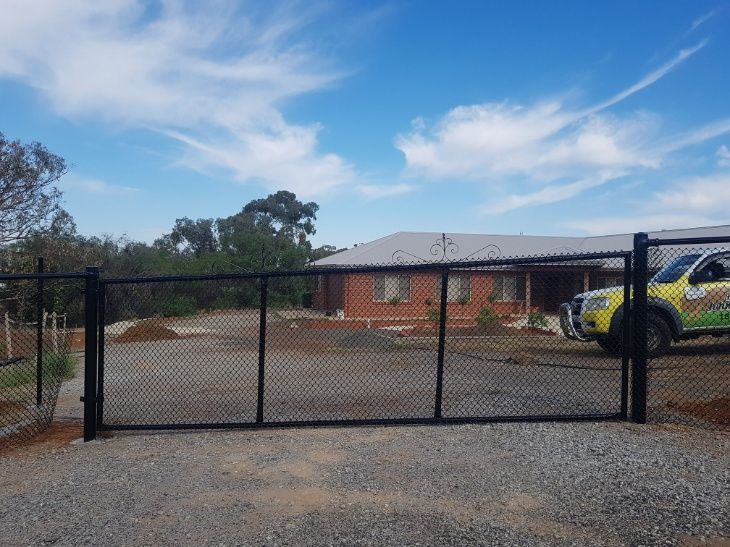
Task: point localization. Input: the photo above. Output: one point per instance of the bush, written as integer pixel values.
(176, 307)
(433, 314)
(486, 316)
(537, 319)
(60, 364)
(395, 300)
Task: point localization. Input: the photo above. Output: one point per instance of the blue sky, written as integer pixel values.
(486, 117)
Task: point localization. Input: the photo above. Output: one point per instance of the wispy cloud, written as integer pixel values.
(556, 152)
(377, 191)
(723, 156)
(651, 78)
(697, 201)
(96, 186)
(549, 194)
(702, 19)
(215, 78)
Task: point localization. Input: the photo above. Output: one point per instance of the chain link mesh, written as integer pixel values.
(687, 330)
(361, 344)
(34, 363)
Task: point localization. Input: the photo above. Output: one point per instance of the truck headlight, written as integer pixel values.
(594, 304)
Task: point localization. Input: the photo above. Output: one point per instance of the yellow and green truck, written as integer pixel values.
(689, 297)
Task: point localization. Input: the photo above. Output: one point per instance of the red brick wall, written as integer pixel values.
(332, 293)
(359, 298)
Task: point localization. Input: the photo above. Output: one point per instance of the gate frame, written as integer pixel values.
(264, 277)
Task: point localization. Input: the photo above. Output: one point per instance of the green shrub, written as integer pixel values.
(487, 316)
(537, 319)
(60, 364)
(24, 372)
(463, 300)
(176, 307)
(433, 314)
(395, 300)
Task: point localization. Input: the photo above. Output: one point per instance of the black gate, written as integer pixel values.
(438, 342)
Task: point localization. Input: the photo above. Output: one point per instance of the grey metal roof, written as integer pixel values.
(415, 247)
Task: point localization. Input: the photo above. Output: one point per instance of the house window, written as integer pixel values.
(510, 288)
(388, 287)
(605, 282)
(458, 289)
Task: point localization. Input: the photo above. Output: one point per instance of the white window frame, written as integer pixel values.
(514, 277)
(457, 284)
(392, 287)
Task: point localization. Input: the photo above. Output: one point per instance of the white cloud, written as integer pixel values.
(214, 77)
(549, 194)
(377, 191)
(554, 151)
(698, 201)
(96, 186)
(652, 77)
(703, 19)
(723, 156)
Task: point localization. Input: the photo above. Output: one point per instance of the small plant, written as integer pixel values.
(487, 316)
(433, 314)
(428, 302)
(463, 300)
(395, 300)
(537, 319)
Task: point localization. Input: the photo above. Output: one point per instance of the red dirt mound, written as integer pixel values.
(716, 411)
(147, 331)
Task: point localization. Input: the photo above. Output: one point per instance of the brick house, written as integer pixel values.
(515, 291)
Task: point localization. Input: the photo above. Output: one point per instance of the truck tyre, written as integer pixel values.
(658, 335)
(610, 344)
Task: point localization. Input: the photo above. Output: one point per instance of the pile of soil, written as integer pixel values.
(716, 411)
(147, 331)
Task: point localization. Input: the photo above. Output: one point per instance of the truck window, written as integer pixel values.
(675, 269)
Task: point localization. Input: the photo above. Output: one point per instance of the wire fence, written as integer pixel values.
(687, 327)
(36, 344)
(399, 343)
(589, 336)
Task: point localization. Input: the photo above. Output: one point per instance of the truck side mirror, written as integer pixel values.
(700, 276)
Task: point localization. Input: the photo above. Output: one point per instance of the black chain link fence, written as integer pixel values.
(688, 325)
(39, 330)
(527, 338)
(365, 344)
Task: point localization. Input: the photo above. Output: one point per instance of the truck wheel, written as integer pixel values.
(658, 335)
(610, 344)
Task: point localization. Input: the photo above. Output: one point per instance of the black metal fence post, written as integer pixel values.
(442, 342)
(639, 334)
(626, 339)
(100, 357)
(39, 337)
(91, 329)
(262, 348)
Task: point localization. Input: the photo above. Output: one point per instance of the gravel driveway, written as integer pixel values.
(520, 483)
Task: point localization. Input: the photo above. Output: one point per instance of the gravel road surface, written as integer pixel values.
(520, 483)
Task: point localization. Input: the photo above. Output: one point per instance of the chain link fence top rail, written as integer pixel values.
(687, 329)
(361, 344)
(39, 323)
